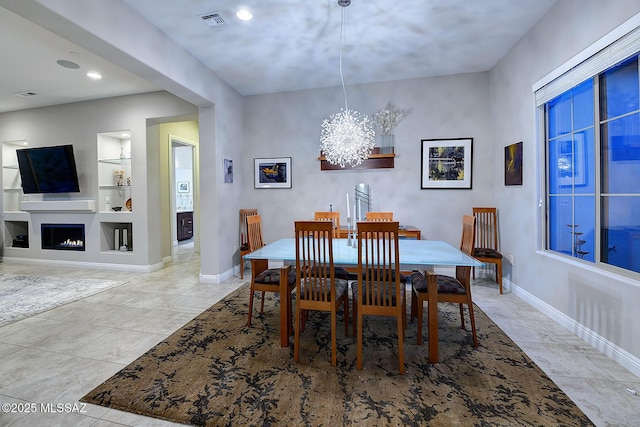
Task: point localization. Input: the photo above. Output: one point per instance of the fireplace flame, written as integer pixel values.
(72, 243)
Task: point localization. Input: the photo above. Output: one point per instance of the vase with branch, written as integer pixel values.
(387, 119)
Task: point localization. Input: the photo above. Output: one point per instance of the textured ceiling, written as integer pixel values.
(289, 45)
(293, 44)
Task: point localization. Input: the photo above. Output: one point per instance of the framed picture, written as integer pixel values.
(446, 163)
(183, 186)
(272, 172)
(513, 164)
(228, 170)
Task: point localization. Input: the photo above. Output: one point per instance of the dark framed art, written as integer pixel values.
(228, 170)
(272, 172)
(446, 163)
(513, 164)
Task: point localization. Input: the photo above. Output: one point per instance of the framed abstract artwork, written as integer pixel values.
(272, 172)
(513, 164)
(228, 170)
(446, 163)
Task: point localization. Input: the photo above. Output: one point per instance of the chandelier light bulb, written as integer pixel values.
(347, 137)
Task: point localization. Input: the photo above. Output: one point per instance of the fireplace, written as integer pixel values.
(65, 237)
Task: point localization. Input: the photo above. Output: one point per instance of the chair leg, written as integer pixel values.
(262, 304)
(419, 309)
(345, 303)
(499, 275)
(412, 315)
(359, 340)
(404, 312)
(400, 322)
(334, 331)
(461, 316)
(296, 334)
(250, 306)
(355, 318)
(473, 325)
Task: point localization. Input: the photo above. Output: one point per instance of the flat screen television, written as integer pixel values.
(48, 170)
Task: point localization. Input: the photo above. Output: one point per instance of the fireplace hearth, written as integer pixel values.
(65, 237)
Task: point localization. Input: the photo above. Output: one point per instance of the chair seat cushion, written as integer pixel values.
(384, 288)
(403, 278)
(446, 284)
(343, 273)
(324, 286)
(272, 276)
(486, 253)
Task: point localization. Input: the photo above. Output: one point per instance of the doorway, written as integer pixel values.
(183, 158)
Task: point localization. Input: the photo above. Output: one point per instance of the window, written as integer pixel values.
(592, 146)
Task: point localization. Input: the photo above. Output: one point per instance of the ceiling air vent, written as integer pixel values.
(214, 19)
(25, 94)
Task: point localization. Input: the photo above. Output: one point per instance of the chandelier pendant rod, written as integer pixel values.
(344, 90)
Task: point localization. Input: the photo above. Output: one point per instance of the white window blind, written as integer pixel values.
(619, 50)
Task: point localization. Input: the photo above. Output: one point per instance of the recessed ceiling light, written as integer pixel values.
(67, 64)
(94, 75)
(244, 14)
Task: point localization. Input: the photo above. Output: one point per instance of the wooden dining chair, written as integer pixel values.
(379, 291)
(486, 248)
(244, 243)
(317, 288)
(332, 216)
(379, 216)
(263, 278)
(441, 288)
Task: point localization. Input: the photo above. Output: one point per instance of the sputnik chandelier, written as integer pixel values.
(347, 137)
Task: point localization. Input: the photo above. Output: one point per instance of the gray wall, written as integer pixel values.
(598, 306)
(289, 124)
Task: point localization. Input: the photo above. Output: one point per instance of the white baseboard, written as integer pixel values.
(219, 278)
(619, 355)
(95, 265)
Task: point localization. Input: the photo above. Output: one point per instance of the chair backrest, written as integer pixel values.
(314, 260)
(244, 213)
(486, 228)
(254, 232)
(379, 216)
(463, 273)
(378, 264)
(334, 217)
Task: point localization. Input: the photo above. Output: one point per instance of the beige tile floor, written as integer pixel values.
(58, 356)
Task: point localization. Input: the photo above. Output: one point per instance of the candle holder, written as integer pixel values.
(348, 231)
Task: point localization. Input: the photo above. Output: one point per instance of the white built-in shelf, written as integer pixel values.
(10, 167)
(125, 161)
(115, 187)
(58, 205)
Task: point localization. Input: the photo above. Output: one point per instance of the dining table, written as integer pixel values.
(414, 255)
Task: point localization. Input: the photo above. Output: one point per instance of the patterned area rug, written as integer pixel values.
(216, 371)
(22, 296)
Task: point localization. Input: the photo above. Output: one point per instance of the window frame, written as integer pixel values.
(588, 64)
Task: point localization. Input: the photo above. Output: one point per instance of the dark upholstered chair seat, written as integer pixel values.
(272, 275)
(343, 273)
(382, 290)
(324, 286)
(486, 253)
(403, 278)
(446, 284)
